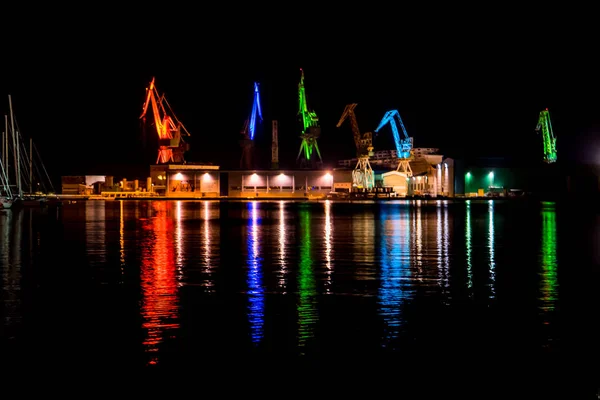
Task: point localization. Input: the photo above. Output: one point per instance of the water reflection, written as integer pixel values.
(469, 247)
(95, 231)
(548, 261)
(282, 242)
(179, 239)
(395, 270)
(200, 244)
(328, 246)
(417, 238)
(363, 255)
(427, 245)
(256, 295)
(160, 303)
(10, 268)
(209, 258)
(121, 237)
(491, 248)
(442, 239)
(307, 312)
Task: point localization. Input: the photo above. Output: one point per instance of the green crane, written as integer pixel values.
(545, 125)
(310, 131)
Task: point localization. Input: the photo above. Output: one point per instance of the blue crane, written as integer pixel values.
(255, 109)
(248, 131)
(404, 146)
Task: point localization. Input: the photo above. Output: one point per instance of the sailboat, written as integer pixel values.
(6, 193)
(23, 166)
(6, 202)
(40, 190)
(6, 196)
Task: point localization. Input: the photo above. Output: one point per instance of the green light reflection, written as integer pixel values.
(548, 259)
(492, 249)
(307, 311)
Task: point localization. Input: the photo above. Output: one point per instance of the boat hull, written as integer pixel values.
(6, 203)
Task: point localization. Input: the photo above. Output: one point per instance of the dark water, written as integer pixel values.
(172, 283)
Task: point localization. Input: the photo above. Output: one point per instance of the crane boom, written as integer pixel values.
(256, 110)
(169, 129)
(403, 145)
(308, 116)
(249, 130)
(362, 176)
(363, 142)
(349, 113)
(310, 131)
(545, 125)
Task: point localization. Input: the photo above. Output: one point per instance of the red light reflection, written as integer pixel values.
(160, 303)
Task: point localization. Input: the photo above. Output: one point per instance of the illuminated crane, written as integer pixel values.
(310, 131)
(171, 146)
(247, 141)
(545, 125)
(362, 176)
(404, 147)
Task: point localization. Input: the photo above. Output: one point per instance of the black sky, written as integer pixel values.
(466, 85)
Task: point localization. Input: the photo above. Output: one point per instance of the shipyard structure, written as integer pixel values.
(402, 172)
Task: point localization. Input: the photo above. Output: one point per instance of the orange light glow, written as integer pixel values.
(160, 303)
(167, 127)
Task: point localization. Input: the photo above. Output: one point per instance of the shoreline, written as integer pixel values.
(362, 199)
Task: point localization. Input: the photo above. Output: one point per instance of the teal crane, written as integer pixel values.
(404, 146)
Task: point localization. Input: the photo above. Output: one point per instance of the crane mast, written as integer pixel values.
(248, 131)
(311, 130)
(545, 125)
(274, 146)
(362, 175)
(171, 146)
(404, 146)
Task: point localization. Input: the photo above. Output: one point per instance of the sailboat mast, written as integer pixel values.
(30, 166)
(15, 147)
(5, 141)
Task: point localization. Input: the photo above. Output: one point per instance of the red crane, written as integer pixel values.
(171, 146)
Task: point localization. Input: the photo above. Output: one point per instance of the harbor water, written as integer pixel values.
(148, 284)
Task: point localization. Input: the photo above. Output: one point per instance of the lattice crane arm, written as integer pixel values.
(349, 114)
(403, 146)
(256, 112)
(389, 118)
(164, 118)
(149, 98)
(174, 121)
(164, 123)
(545, 125)
(168, 127)
(309, 117)
(363, 142)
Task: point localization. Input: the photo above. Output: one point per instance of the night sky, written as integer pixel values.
(464, 85)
